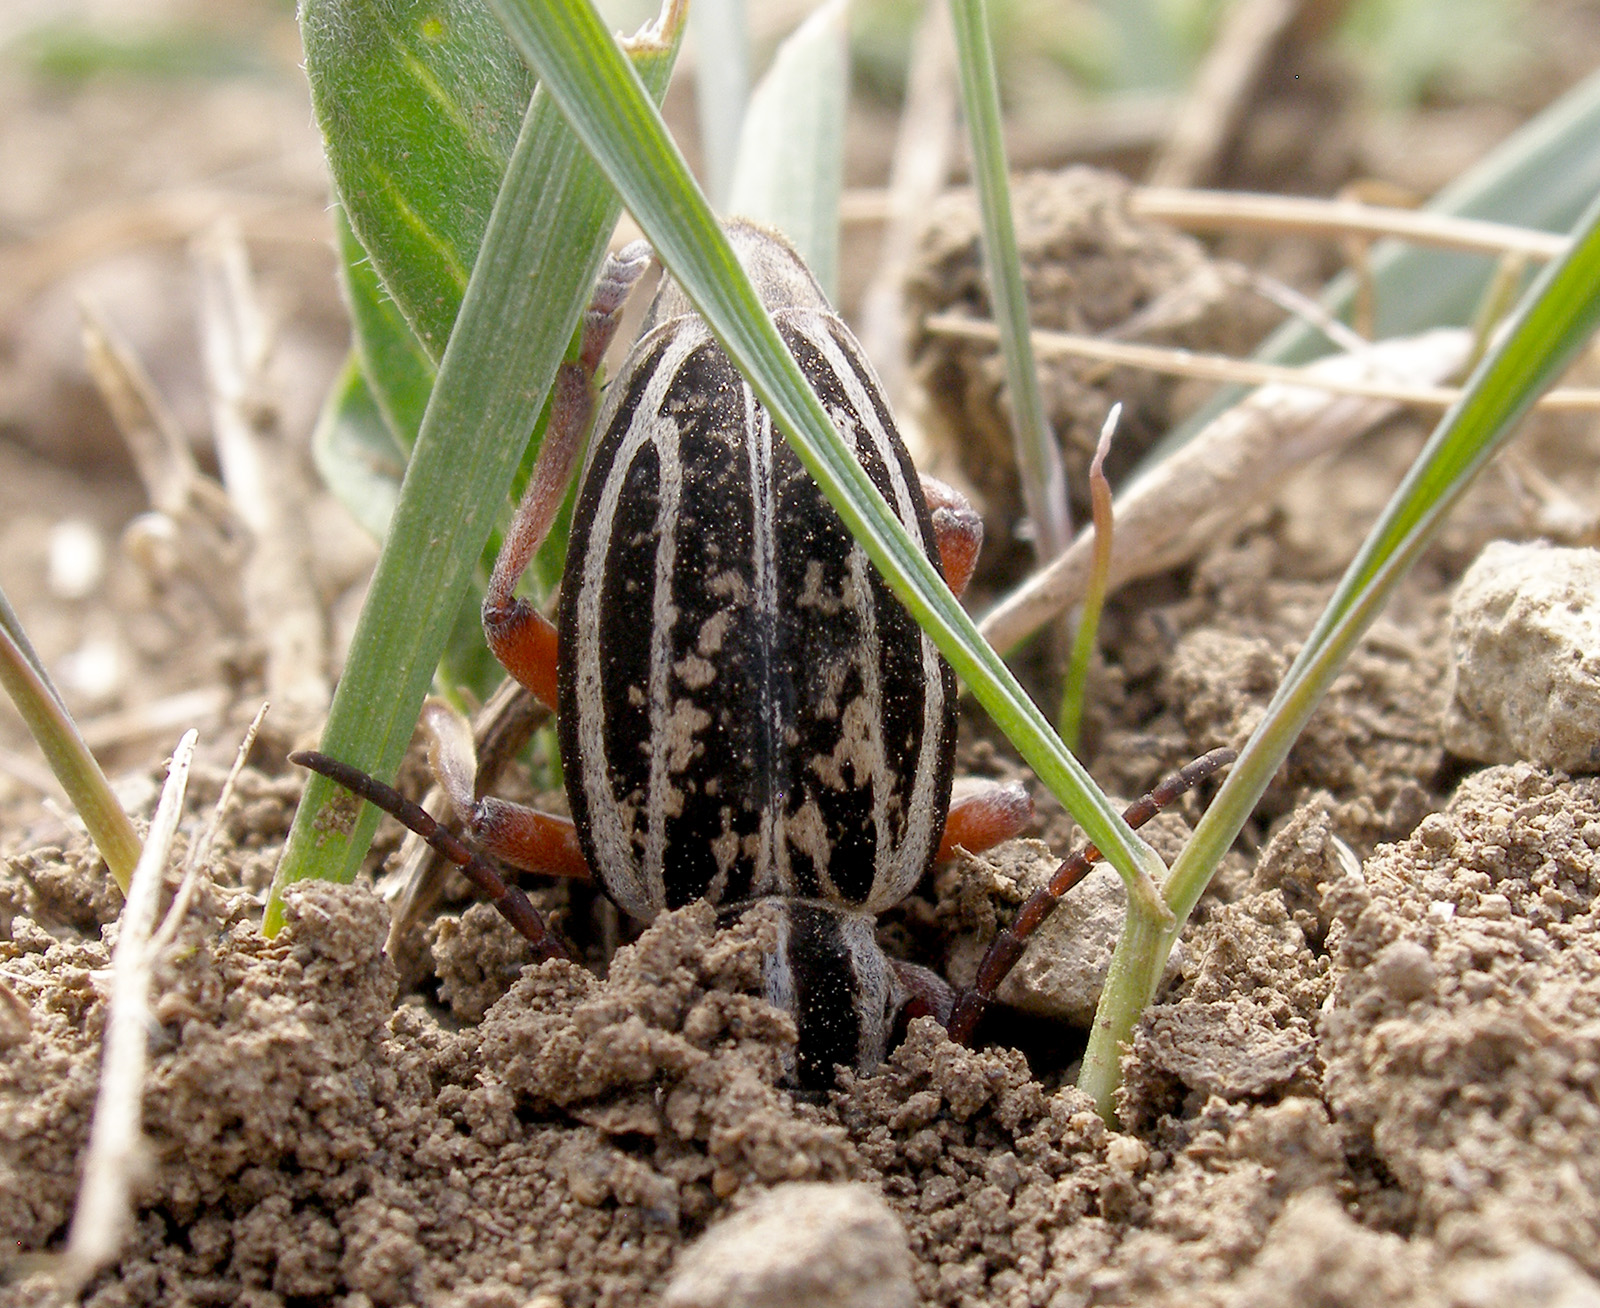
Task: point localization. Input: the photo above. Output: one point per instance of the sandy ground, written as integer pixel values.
(1372, 1078)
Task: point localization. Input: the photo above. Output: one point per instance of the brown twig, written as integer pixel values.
(1359, 383)
(1198, 210)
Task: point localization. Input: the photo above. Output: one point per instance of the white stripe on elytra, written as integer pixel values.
(892, 885)
(663, 618)
(634, 889)
(771, 872)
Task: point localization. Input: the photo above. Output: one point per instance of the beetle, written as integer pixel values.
(745, 711)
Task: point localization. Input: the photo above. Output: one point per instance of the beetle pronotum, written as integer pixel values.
(745, 711)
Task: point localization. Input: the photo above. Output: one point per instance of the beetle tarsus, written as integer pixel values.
(512, 904)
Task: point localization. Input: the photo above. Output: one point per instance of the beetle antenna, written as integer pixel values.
(513, 905)
(1007, 947)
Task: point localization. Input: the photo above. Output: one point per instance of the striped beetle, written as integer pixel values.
(745, 710)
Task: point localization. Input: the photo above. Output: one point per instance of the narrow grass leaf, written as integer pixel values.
(399, 372)
(46, 716)
(532, 278)
(355, 453)
(1084, 639)
(1039, 464)
(1558, 318)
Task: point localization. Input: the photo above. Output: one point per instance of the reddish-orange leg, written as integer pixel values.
(522, 638)
(526, 643)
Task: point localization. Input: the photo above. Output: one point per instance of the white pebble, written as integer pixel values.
(1525, 644)
(77, 559)
(806, 1244)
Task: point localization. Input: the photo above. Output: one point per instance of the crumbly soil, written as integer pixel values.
(1373, 1076)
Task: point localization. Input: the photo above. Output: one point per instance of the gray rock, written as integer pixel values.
(1525, 642)
(804, 1243)
(1061, 973)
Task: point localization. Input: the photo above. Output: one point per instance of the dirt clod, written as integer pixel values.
(836, 1246)
(1525, 635)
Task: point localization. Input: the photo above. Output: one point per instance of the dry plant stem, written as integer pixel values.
(916, 176)
(1199, 210)
(1221, 90)
(193, 526)
(23, 769)
(1180, 506)
(194, 863)
(155, 717)
(28, 267)
(1304, 307)
(160, 451)
(260, 474)
(112, 1163)
(1246, 372)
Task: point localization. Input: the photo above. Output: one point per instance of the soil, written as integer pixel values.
(1372, 1077)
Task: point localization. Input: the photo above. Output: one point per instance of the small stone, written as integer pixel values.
(1127, 1155)
(1405, 971)
(802, 1243)
(1525, 643)
(1061, 973)
(1534, 1277)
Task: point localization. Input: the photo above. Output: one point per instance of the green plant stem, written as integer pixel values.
(1044, 479)
(566, 43)
(41, 707)
(538, 260)
(1558, 316)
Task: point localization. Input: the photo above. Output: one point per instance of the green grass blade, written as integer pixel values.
(1044, 478)
(538, 259)
(566, 41)
(354, 451)
(420, 102)
(1559, 316)
(790, 168)
(46, 716)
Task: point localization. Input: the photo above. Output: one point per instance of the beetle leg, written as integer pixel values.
(927, 994)
(514, 906)
(986, 814)
(1007, 947)
(958, 528)
(528, 838)
(522, 836)
(522, 638)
